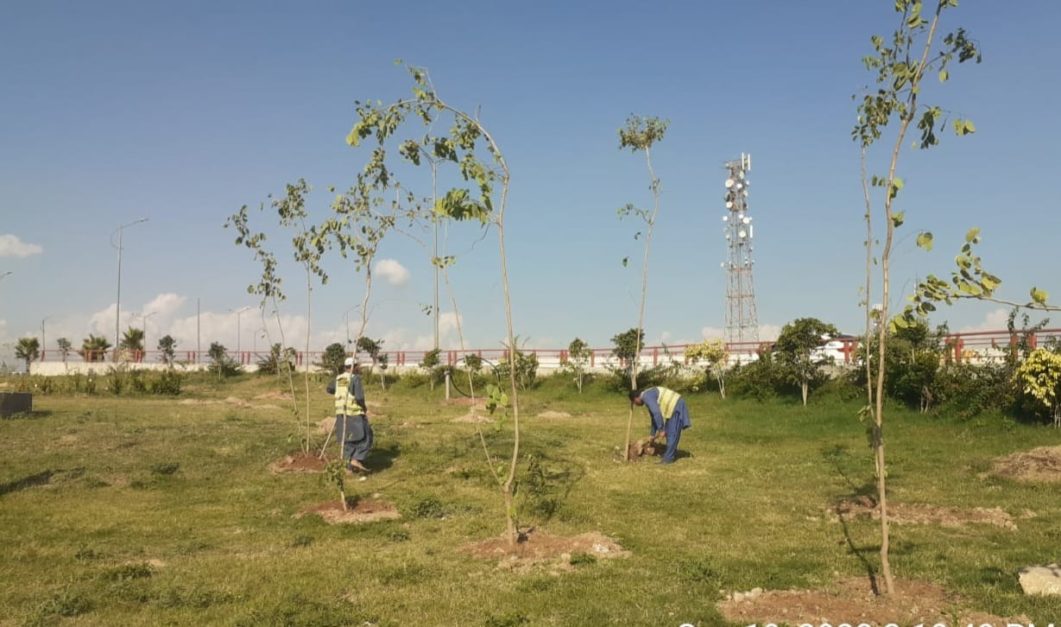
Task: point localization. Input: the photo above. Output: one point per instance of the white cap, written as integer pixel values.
(349, 361)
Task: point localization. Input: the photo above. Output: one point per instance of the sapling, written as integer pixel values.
(639, 135)
(900, 65)
(483, 202)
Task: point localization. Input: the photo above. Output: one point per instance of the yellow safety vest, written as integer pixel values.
(345, 403)
(668, 399)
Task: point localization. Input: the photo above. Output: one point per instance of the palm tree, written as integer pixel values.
(133, 343)
(94, 348)
(28, 349)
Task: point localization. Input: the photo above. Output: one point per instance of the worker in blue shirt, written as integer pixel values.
(669, 416)
(351, 424)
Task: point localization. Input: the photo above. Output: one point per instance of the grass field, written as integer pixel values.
(150, 511)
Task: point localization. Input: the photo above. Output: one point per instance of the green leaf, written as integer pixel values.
(898, 218)
(626, 261)
(972, 235)
(964, 127)
(943, 76)
(353, 139)
(924, 240)
(1039, 296)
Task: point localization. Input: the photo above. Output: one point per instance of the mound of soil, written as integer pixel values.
(1041, 464)
(473, 418)
(645, 447)
(852, 601)
(299, 462)
(924, 514)
(554, 414)
(537, 547)
(361, 511)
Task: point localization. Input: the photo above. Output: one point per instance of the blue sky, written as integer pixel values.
(183, 112)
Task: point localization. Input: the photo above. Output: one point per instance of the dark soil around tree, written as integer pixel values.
(854, 602)
(357, 511)
(537, 547)
(300, 462)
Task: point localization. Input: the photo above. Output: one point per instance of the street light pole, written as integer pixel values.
(44, 343)
(238, 334)
(147, 346)
(118, 302)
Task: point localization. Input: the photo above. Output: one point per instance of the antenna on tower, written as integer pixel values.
(742, 324)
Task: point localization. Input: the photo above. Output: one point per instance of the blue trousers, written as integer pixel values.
(357, 438)
(673, 428)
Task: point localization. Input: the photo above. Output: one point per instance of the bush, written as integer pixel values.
(761, 379)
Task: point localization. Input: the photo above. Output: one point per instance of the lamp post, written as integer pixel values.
(118, 302)
(147, 346)
(44, 343)
(238, 312)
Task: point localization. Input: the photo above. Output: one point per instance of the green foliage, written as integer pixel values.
(278, 360)
(473, 362)
(167, 346)
(760, 379)
(332, 359)
(28, 350)
(1039, 377)
(713, 355)
(65, 347)
(431, 359)
(526, 365)
(132, 341)
(94, 348)
(578, 358)
(220, 362)
(627, 344)
(795, 356)
(642, 132)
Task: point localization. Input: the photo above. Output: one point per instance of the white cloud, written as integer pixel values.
(993, 321)
(767, 333)
(164, 305)
(391, 271)
(12, 246)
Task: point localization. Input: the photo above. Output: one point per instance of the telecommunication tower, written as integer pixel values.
(742, 324)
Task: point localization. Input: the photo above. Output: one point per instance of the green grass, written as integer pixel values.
(145, 511)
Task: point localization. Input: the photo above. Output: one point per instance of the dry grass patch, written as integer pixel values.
(925, 514)
(1041, 464)
(361, 511)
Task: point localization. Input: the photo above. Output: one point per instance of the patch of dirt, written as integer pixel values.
(238, 402)
(852, 601)
(537, 547)
(68, 439)
(924, 514)
(554, 414)
(274, 396)
(196, 401)
(299, 462)
(1041, 464)
(473, 418)
(362, 511)
(466, 402)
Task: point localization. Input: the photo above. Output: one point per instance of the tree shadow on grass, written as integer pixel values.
(29, 481)
(835, 456)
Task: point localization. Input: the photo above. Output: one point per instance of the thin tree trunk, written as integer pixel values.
(644, 296)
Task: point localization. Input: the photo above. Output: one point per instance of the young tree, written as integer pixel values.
(278, 360)
(639, 135)
(94, 348)
(795, 352)
(482, 201)
(900, 64)
(220, 360)
(578, 353)
(627, 346)
(28, 350)
(167, 346)
(713, 354)
(372, 348)
(1039, 377)
(332, 358)
(64, 348)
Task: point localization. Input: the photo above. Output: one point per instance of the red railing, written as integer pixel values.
(972, 346)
